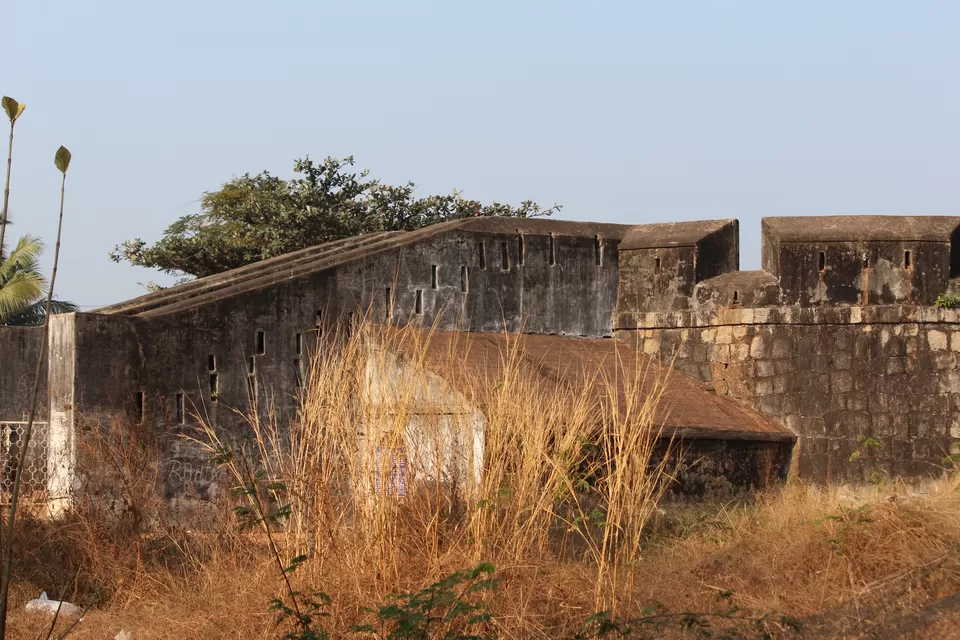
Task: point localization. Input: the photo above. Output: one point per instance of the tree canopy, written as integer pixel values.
(254, 217)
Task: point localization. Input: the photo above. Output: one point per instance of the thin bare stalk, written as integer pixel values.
(13, 109)
(6, 189)
(28, 432)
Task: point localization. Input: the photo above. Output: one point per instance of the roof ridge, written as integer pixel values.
(233, 276)
(318, 263)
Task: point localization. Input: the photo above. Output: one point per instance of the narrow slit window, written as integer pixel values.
(483, 255)
(214, 386)
(178, 408)
(504, 256)
(252, 365)
(388, 301)
(907, 260)
(520, 249)
(261, 343)
(418, 304)
(656, 266)
(211, 362)
(298, 342)
(822, 263)
(138, 404)
(553, 250)
(297, 373)
(464, 279)
(736, 297)
(434, 277)
(598, 251)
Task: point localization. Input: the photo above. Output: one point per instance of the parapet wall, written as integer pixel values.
(835, 376)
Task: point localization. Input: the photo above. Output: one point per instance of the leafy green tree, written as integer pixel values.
(22, 286)
(254, 217)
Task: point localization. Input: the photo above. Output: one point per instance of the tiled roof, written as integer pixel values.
(688, 407)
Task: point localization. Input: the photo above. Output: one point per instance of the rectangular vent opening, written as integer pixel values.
(261, 343)
(656, 266)
(464, 279)
(298, 343)
(483, 255)
(736, 297)
(822, 263)
(434, 277)
(388, 301)
(553, 250)
(418, 304)
(521, 249)
(504, 256)
(252, 365)
(138, 405)
(211, 362)
(214, 387)
(907, 262)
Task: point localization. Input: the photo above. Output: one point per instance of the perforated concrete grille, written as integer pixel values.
(34, 478)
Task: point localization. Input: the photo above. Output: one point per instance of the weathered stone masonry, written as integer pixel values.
(835, 338)
(831, 375)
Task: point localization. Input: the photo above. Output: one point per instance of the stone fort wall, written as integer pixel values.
(833, 376)
(836, 337)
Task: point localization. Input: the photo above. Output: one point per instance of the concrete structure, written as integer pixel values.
(836, 337)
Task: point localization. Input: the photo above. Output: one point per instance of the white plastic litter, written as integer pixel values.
(123, 635)
(43, 604)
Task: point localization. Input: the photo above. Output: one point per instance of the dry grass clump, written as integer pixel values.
(501, 471)
(567, 507)
(837, 559)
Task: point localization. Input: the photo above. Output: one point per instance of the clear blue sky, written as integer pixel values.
(625, 112)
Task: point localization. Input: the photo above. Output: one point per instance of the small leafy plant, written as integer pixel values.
(864, 444)
(451, 607)
(947, 301)
(265, 509)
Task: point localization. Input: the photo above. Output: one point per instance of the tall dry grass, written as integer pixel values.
(566, 508)
(499, 469)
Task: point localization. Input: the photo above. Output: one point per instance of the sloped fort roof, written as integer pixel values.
(687, 407)
(333, 254)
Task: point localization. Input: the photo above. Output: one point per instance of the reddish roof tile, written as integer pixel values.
(688, 408)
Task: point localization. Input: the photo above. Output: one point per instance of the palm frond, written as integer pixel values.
(24, 257)
(23, 289)
(34, 314)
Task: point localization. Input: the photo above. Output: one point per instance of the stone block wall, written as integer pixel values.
(833, 376)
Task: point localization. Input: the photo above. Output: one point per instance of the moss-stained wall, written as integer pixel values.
(833, 376)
